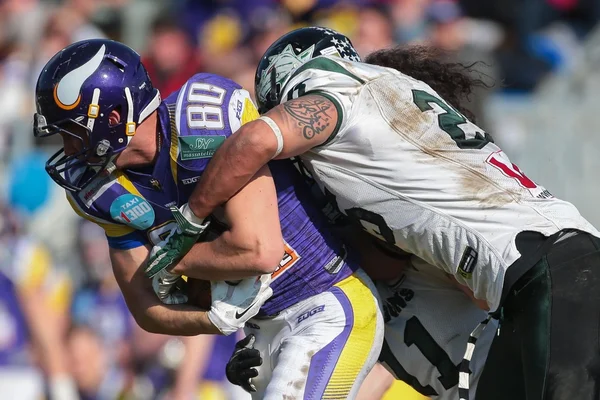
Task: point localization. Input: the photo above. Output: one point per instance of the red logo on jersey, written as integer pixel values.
(500, 161)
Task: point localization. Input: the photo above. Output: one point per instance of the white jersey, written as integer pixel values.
(419, 175)
(428, 322)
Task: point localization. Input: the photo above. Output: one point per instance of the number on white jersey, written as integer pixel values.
(416, 334)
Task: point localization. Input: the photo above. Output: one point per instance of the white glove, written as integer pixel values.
(163, 284)
(234, 304)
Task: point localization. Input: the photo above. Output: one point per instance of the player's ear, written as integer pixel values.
(114, 117)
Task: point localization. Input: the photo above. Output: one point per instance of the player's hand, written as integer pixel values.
(165, 286)
(240, 367)
(180, 240)
(234, 304)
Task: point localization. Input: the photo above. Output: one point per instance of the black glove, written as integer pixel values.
(239, 369)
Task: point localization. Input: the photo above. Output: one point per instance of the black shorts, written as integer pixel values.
(548, 342)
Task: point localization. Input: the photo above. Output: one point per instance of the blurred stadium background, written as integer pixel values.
(61, 314)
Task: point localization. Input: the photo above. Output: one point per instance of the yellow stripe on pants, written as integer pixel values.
(360, 342)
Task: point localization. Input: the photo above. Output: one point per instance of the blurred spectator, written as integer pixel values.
(375, 30)
(74, 19)
(451, 32)
(22, 20)
(95, 376)
(171, 58)
(201, 372)
(99, 304)
(447, 25)
(219, 42)
(409, 19)
(14, 99)
(32, 314)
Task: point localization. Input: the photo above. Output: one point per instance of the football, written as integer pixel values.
(198, 292)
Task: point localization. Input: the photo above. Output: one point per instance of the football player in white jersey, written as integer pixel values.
(402, 160)
(428, 319)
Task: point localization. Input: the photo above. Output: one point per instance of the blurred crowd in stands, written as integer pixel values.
(64, 327)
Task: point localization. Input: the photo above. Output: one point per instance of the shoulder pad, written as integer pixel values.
(112, 202)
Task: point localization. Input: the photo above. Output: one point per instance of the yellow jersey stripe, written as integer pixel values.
(126, 183)
(111, 229)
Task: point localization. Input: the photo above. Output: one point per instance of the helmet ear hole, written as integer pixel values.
(114, 118)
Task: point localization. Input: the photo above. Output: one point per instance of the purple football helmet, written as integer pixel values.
(77, 90)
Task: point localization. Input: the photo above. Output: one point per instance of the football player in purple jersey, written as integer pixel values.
(129, 163)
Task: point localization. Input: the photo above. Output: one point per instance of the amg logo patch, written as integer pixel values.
(467, 263)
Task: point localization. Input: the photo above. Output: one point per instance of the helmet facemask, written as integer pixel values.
(84, 165)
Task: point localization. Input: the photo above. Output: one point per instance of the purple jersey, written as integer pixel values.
(133, 206)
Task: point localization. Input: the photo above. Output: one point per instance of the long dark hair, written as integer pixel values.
(451, 80)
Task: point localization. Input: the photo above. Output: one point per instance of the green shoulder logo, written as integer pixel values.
(195, 147)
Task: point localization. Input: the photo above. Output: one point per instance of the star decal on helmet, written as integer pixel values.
(346, 50)
(326, 31)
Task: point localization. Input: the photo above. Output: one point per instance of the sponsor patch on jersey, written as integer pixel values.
(89, 194)
(290, 257)
(467, 262)
(196, 147)
(133, 211)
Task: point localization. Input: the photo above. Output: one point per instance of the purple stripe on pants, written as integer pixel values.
(325, 360)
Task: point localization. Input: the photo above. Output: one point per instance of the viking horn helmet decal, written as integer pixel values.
(67, 93)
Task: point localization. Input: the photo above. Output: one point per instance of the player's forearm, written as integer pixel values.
(181, 320)
(155, 317)
(226, 259)
(233, 165)
(147, 310)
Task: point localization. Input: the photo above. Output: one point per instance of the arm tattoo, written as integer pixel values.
(311, 114)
